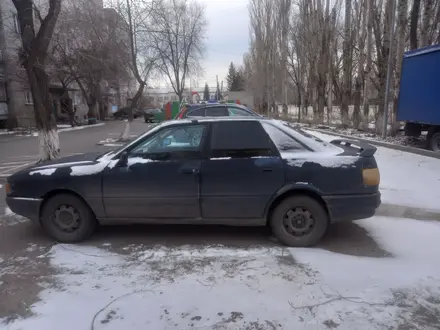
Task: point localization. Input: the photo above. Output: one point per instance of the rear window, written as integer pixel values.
(282, 140)
(305, 138)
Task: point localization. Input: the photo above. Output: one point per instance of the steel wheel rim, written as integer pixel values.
(66, 218)
(298, 221)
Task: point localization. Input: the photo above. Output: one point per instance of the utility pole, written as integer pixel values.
(390, 59)
(216, 89)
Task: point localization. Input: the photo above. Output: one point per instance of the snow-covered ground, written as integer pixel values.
(217, 287)
(406, 179)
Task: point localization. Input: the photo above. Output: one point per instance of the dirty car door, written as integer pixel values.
(160, 179)
(242, 172)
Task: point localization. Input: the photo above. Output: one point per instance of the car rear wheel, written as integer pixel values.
(67, 219)
(299, 221)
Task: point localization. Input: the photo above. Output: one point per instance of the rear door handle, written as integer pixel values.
(267, 169)
(189, 171)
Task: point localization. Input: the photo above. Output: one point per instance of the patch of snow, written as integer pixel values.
(267, 287)
(84, 162)
(94, 168)
(76, 128)
(112, 163)
(306, 183)
(138, 160)
(220, 158)
(8, 211)
(112, 144)
(6, 132)
(323, 159)
(64, 126)
(406, 179)
(1, 186)
(48, 171)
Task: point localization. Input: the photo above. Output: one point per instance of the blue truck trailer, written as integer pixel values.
(419, 97)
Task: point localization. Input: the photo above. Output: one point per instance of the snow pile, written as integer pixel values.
(215, 287)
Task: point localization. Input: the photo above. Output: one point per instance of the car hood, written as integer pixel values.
(71, 160)
(76, 165)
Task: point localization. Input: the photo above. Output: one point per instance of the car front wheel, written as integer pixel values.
(67, 219)
(299, 221)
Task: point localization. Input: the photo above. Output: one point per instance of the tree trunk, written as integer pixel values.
(346, 64)
(414, 24)
(368, 68)
(426, 22)
(357, 102)
(134, 104)
(49, 144)
(402, 20)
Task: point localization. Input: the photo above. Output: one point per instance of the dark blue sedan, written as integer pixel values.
(239, 171)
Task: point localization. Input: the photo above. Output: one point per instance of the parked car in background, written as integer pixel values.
(122, 113)
(241, 171)
(215, 110)
(153, 115)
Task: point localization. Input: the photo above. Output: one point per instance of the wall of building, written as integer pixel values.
(15, 81)
(244, 97)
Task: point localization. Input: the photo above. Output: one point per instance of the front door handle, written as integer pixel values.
(267, 169)
(190, 171)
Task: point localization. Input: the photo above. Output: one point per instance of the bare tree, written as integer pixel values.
(35, 44)
(89, 48)
(179, 42)
(137, 33)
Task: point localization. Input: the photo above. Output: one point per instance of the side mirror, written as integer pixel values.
(166, 142)
(123, 159)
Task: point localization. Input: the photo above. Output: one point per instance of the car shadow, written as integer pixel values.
(350, 239)
(344, 238)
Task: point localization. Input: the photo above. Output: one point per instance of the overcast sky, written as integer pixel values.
(227, 37)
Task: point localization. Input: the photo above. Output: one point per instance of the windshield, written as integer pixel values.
(115, 151)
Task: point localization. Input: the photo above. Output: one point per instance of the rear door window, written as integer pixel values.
(216, 112)
(240, 139)
(199, 112)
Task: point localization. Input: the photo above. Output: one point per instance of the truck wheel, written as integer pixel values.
(434, 142)
(299, 221)
(67, 219)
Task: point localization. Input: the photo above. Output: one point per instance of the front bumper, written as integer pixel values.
(26, 207)
(352, 207)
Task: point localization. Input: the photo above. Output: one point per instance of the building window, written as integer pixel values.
(28, 97)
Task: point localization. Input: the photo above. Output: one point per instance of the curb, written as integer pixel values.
(77, 128)
(398, 211)
(422, 152)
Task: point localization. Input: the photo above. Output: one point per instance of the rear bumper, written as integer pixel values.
(26, 207)
(352, 207)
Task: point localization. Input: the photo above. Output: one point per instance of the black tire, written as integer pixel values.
(85, 224)
(313, 234)
(434, 142)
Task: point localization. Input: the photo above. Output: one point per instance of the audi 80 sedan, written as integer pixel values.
(240, 171)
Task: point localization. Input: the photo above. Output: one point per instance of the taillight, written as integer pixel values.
(371, 176)
(8, 189)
